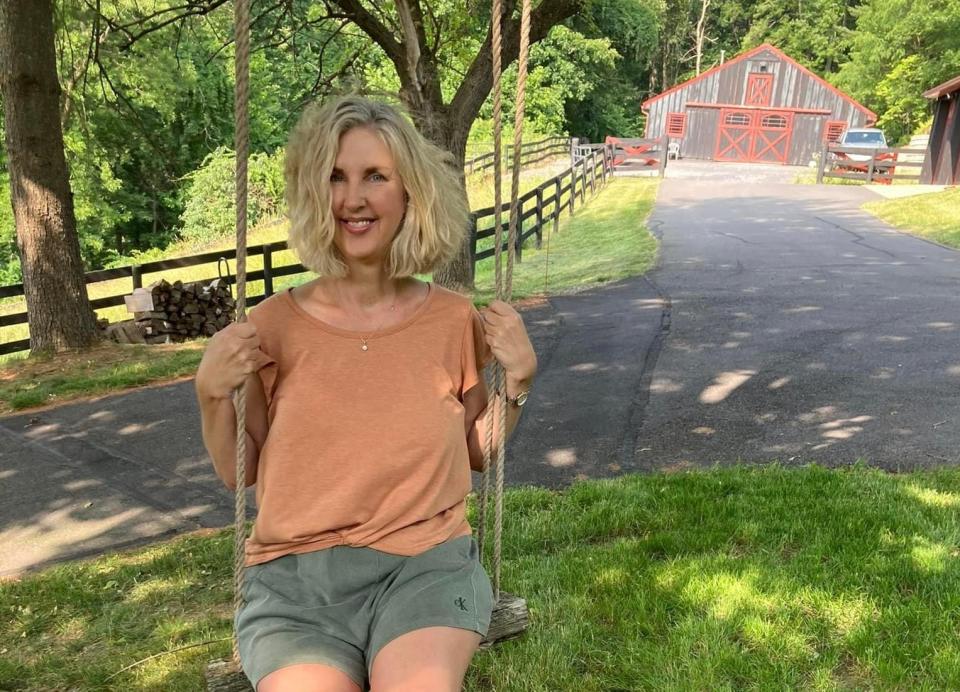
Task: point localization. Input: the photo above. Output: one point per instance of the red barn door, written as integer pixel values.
(771, 141)
(753, 135)
(734, 139)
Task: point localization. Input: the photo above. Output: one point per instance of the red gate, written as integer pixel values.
(753, 135)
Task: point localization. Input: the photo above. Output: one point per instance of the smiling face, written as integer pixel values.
(367, 197)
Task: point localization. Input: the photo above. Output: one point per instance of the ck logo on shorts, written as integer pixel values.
(461, 604)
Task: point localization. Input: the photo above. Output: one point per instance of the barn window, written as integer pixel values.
(736, 119)
(759, 89)
(676, 124)
(774, 122)
(833, 129)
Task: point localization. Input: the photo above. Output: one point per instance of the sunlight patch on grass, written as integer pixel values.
(929, 556)
(935, 215)
(933, 497)
(844, 613)
(612, 577)
(153, 591)
(725, 596)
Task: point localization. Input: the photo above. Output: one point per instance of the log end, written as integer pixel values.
(224, 676)
(509, 620)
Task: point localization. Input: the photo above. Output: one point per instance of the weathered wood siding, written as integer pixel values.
(942, 163)
(701, 133)
(807, 137)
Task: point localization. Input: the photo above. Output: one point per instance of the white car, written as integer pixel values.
(863, 138)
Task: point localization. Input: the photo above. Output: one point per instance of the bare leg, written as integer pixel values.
(432, 659)
(308, 677)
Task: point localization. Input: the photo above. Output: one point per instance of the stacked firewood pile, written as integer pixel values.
(182, 311)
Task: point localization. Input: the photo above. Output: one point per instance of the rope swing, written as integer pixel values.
(510, 612)
(510, 615)
(242, 144)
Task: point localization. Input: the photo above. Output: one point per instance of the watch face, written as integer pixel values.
(522, 398)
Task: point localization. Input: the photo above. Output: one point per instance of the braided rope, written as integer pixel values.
(520, 104)
(496, 50)
(508, 288)
(241, 143)
(494, 384)
(498, 392)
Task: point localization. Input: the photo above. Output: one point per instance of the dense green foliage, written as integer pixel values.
(901, 48)
(209, 210)
(148, 96)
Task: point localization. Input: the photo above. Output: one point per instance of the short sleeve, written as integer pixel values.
(475, 353)
(267, 370)
(267, 367)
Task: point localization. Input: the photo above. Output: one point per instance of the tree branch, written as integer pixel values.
(475, 87)
(371, 26)
(414, 39)
(192, 10)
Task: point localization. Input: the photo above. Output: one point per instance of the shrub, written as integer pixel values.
(209, 204)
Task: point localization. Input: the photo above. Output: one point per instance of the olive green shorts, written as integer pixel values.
(341, 605)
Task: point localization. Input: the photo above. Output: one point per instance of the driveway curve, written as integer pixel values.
(801, 330)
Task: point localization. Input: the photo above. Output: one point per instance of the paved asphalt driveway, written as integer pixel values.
(781, 324)
(801, 329)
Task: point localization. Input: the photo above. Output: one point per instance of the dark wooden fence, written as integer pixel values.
(530, 153)
(870, 165)
(544, 205)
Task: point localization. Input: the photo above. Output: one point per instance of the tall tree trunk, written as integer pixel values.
(59, 312)
(457, 274)
(701, 32)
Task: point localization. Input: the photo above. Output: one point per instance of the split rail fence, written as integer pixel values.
(870, 165)
(530, 153)
(591, 167)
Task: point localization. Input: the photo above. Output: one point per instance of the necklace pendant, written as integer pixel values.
(363, 344)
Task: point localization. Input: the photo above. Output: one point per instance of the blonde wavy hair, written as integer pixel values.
(436, 217)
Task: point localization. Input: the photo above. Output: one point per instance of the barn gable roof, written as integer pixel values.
(871, 116)
(941, 90)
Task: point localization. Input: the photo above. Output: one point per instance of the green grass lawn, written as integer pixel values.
(606, 240)
(43, 380)
(935, 215)
(729, 579)
(809, 177)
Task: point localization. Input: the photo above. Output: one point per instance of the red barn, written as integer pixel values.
(762, 106)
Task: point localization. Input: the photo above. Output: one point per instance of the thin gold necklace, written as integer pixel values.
(363, 340)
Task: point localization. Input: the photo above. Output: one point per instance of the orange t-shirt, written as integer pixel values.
(365, 448)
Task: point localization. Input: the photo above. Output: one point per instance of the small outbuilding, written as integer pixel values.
(762, 106)
(942, 163)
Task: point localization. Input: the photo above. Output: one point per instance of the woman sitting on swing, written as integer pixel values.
(365, 413)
